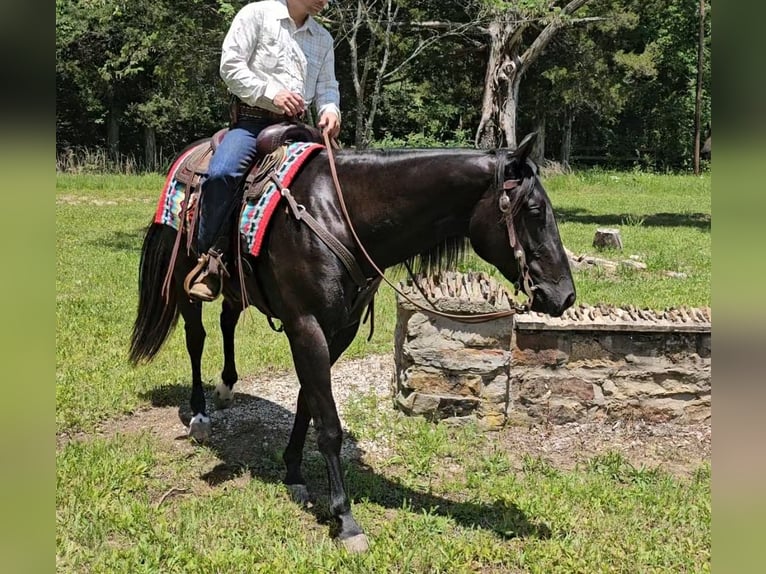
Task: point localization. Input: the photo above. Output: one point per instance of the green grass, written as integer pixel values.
(444, 501)
(663, 219)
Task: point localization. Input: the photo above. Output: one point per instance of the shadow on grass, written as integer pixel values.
(578, 215)
(171, 395)
(251, 435)
(121, 240)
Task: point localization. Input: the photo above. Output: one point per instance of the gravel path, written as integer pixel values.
(260, 418)
(350, 378)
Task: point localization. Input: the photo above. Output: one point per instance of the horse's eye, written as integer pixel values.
(535, 210)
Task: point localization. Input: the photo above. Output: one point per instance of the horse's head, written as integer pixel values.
(513, 228)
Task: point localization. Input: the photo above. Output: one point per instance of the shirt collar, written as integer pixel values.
(282, 14)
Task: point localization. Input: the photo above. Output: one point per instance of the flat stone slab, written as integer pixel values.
(608, 318)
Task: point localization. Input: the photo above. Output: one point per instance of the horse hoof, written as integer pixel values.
(222, 396)
(355, 544)
(200, 428)
(300, 494)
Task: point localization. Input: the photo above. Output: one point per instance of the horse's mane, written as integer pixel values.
(452, 251)
(444, 256)
(448, 254)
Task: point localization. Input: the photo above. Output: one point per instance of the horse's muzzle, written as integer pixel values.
(553, 303)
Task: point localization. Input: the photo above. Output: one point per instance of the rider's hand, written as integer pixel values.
(329, 123)
(291, 103)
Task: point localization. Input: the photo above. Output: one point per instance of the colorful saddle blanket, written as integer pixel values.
(255, 215)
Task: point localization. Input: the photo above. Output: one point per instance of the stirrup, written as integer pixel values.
(209, 263)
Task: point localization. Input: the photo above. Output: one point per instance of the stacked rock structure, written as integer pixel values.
(591, 363)
(447, 370)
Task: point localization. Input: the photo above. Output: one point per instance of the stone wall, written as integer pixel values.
(564, 370)
(591, 363)
(446, 370)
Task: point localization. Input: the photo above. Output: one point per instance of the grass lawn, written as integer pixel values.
(491, 513)
(664, 220)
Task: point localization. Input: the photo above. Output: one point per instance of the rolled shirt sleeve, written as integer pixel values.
(238, 48)
(327, 93)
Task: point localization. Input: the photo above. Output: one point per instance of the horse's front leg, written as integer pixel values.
(293, 455)
(199, 426)
(224, 391)
(311, 356)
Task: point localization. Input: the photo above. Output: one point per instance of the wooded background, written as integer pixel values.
(617, 83)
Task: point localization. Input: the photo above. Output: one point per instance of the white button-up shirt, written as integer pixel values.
(264, 52)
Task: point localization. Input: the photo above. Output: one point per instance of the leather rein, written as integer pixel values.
(508, 209)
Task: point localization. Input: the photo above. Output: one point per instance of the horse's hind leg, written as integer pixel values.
(199, 427)
(224, 390)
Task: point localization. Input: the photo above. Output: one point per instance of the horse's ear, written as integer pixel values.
(523, 150)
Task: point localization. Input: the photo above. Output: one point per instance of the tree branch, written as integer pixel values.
(544, 38)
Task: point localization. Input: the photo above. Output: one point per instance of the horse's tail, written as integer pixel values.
(157, 315)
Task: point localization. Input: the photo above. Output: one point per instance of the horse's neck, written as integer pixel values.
(437, 182)
(405, 203)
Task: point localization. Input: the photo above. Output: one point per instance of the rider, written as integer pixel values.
(276, 61)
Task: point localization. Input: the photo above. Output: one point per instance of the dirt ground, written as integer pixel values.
(255, 429)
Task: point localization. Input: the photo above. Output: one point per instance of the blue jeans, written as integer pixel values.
(229, 164)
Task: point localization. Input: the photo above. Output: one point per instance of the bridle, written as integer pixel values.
(508, 208)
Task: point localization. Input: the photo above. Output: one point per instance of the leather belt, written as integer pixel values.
(241, 111)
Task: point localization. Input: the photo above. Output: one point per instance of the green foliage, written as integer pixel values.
(141, 65)
(459, 139)
(626, 80)
(658, 61)
(625, 75)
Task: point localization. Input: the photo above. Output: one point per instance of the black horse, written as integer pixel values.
(410, 206)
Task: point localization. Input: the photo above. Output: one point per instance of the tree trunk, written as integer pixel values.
(113, 133)
(359, 126)
(566, 140)
(698, 97)
(538, 150)
(510, 111)
(368, 98)
(150, 148)
(505, 68)
(378, 83)
(359, 76)
(501, 87)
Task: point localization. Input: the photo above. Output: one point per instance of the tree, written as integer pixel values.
(366, 28)
(518, 32)
(141, 78)
(625, 83)
(145, 69)
(658, 117)
(700, 80)
(385, 39)
(583, 75)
